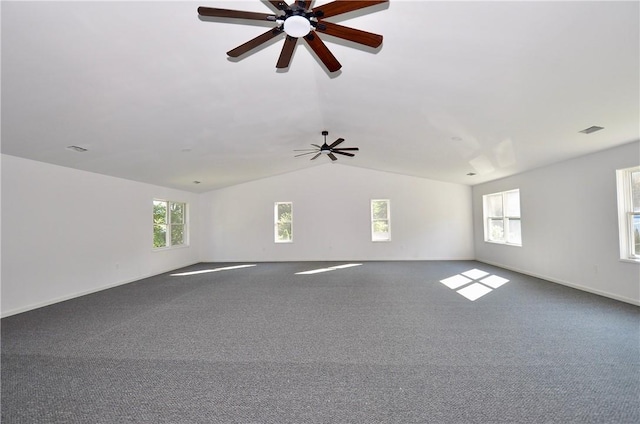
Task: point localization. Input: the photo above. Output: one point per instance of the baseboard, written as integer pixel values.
(31, 307)
(234, 261)
(566, 283)
(120, 283)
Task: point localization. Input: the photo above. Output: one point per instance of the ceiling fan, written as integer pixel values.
(299, 20)
(327, 149)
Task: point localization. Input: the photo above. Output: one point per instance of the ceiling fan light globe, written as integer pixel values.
(297, 26)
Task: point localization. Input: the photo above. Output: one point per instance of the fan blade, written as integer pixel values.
(315, 145)
(339, 7)
(280, 5)
(332, 157)
(307, 4)
(335, 143)
(351, 34)
(346, 148)
(318, 46)
(316, 156)
(343, 153)
(252, 44)
(238, 14)
(287, 52)
(305, 150)
(303, 154)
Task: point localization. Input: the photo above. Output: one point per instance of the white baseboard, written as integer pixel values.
(108, 286)
(82, 293)
(566, 283)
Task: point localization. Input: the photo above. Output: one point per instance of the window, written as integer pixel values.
(380, 220)
(629, 212)
(169, 224)
(502, 217)
(283, 222)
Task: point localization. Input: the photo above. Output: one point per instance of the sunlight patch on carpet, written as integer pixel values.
(204, 271)
(474, 283)
(455, 281)
(331, 268)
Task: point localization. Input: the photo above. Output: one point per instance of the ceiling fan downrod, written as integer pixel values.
(325, 149)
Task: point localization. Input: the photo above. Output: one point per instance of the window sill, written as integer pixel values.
(164, 249)
(503, 244)
(629, 260)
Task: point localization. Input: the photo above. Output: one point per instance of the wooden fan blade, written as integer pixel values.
(346, 148)
(287, 52)
(339, 7)
(252, 44)
(315, 145)
(332, 157)
(343, 153)
(305, 150)
(316, 156)
(351, 34)
(318, 46)
(304, 154)
(280, 5)
(335, 143)
(238, 14)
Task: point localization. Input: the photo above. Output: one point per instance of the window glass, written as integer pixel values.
(159, 223)
(177, 235)
(636, 236)
(514, 232)
(283, 222)
(169, 223)
(177, 213)
(380, 222)
(159, 235)
(502, 217)
(496, 229)
(379, 209)
(495, 205)
(628, 185)
(159, 212)
(512, 203)
(635, 190)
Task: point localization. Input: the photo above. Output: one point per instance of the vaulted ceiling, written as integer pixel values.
(490, 88)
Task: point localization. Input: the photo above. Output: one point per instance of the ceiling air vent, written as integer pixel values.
(591, 129)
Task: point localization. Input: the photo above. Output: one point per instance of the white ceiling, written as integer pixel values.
(494, 88)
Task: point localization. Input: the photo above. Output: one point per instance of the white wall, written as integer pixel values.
(331, 217)
(569, 224)
(67, 232)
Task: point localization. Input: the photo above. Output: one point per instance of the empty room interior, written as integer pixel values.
(320, 212)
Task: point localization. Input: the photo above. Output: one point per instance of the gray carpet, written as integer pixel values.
(384, 342)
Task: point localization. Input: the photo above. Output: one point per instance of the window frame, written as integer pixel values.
(170, 225)
(505, 218)
(626, 214)
(374, 220)
(277, 222)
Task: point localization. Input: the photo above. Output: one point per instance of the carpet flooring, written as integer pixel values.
(381, 342)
